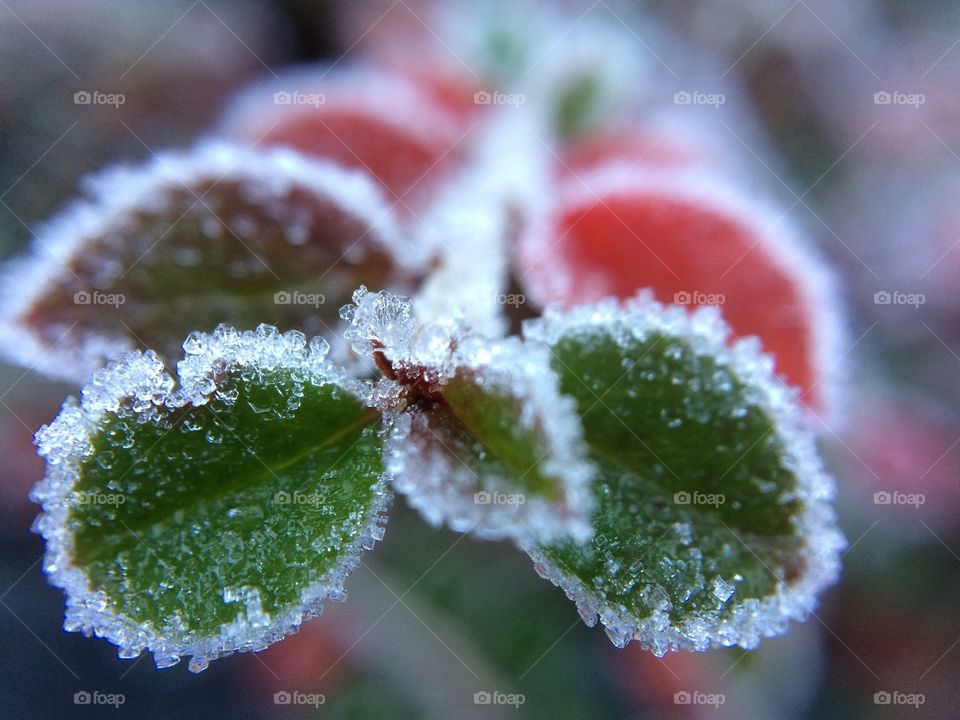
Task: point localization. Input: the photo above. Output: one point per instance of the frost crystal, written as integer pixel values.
(743, 621)
(452, 387)
(137, 383)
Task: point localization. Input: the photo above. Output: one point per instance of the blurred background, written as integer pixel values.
(847, 114)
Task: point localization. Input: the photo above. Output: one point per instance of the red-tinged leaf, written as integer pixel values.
(694, 242)
(192, 239)
(384, 123)
(480, 437)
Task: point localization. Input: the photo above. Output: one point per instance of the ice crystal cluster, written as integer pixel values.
(530, 365)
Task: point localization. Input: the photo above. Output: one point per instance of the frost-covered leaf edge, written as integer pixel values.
(816, 525)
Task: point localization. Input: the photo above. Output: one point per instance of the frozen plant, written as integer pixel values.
(524, 370)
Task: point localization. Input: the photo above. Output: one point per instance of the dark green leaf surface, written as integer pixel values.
(213, 527)
(701, 511)
(491, 418)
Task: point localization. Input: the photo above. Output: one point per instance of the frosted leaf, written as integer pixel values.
(361, 117)
(479, 436)
(714, 531)
(216, 234)
(214, 514)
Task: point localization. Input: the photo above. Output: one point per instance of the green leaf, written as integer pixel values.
(214, 516)
(712, 525)
(481, 438)
(190, 240)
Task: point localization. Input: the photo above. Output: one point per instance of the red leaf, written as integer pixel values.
(407, 133)
(614, 231)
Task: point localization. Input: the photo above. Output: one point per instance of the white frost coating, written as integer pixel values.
(773, 232)
(432, 465)
(116, 195)
(138, 380)
(475, 218)
(375, 92)
(815, 525)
